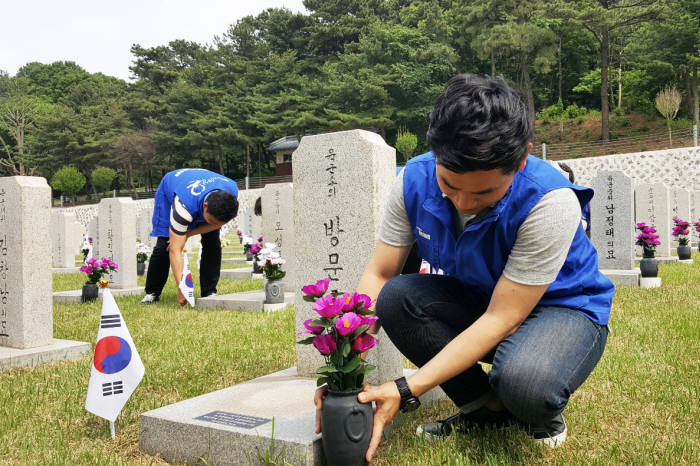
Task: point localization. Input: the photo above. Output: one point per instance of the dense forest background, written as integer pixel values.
(373, 64)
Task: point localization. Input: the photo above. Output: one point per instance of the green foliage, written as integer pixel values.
(406, 143)
(557, 112)
(68, 180)
(102, 178)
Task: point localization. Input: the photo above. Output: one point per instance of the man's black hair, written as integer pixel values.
(257, 209)
(479, 123)
(223, 205)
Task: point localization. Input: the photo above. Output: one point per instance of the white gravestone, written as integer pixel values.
(278, 224)
(680, 207)
(342, 183)
(253, 224)
(66, 238)
(144, 226)
(117, 230)
(26, 318)
(26, 314)
(612, 220)
(653, 207)
(695, 215)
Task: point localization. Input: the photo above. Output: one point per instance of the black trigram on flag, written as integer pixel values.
(112, 388)
(110, 321)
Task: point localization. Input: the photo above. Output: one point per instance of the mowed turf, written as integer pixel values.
(640, 405)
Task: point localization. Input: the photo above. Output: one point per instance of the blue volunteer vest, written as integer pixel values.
(478, 256)
(191, 185)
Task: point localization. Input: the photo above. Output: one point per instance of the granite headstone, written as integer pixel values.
(653, 207)
(117, 233)
(680, 207)
(66, 238)
(341, 185)
(612, 220)
(278, 223)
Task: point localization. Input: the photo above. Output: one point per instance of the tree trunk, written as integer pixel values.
(696, 109)
(527, 87)
(670, 140)
(493, 64)
(560, 72)
(604, 104)
(619, 86)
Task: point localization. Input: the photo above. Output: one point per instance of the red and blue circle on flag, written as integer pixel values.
(188, 280)
(112, 354)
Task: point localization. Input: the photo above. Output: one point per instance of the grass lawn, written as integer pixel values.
(638, 407)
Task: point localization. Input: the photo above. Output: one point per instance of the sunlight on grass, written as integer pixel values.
(638, 407)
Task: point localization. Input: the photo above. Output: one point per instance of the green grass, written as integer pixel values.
(638, 407)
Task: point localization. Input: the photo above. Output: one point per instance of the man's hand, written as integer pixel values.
(388, 400)
(321, 393)
(181, 300)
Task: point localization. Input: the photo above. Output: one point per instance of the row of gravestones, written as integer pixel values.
(616, 208)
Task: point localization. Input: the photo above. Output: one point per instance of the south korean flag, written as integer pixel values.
(187, 284)
(117, 368)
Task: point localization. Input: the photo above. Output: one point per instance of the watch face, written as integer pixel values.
(411, 404)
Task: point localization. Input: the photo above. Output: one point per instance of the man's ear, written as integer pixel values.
(205, 204)
(524, 162)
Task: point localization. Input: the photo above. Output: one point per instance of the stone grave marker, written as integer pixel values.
(66, 238)
(612, 226)
(680, 207)
(695, 215)
(26, 314)
(253, 224)
(278, 224)
(144, 226)
(341, 185)
(653, 206)
(117, 232)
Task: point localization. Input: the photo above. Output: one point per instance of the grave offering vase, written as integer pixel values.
(89, 292)
(140, 268)
(649, 267)
(684, 252)
(257, 268)
(346, 426)
(274, 291)
(248, 256)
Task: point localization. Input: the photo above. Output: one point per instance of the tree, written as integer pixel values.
(603, 19)
(68, 180)
(136, 148)
(102, 178)
(668, 101)
(406, 143)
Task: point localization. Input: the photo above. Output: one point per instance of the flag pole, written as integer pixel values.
(111, 428)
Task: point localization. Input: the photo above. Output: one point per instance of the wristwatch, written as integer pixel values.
(409, 401)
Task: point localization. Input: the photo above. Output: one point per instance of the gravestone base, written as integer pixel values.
(236, 274)
(249, 262)
(685, 261)
(234, 260)
(257, 276)
(623, 277)
(660, 260)
(248, 301)
(58, 350)
(650, 282)
(60, 270)
(173, 432)
(73, 296)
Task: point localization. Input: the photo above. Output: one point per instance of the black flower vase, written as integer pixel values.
(683, 252)
(140, 268)
(346, 426)
(256, 267)
(248, 256)
(89, 293)
(649, 267)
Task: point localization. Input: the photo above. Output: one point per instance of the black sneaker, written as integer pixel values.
(150, 299)
(460, 422)
(552, 434)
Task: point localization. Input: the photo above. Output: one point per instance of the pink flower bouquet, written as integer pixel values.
(681, 230)
(339, 333)
(95, 269)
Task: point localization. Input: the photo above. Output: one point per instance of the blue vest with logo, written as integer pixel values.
(191, 185)
(478, 256)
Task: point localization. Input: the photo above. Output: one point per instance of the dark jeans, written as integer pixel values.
(535, 370)
(209, 271)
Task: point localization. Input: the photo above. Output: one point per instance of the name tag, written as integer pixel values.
(423, 234)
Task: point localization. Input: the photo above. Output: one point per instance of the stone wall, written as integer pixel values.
(676, 168)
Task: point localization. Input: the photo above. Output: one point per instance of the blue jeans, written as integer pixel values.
(535, 370)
